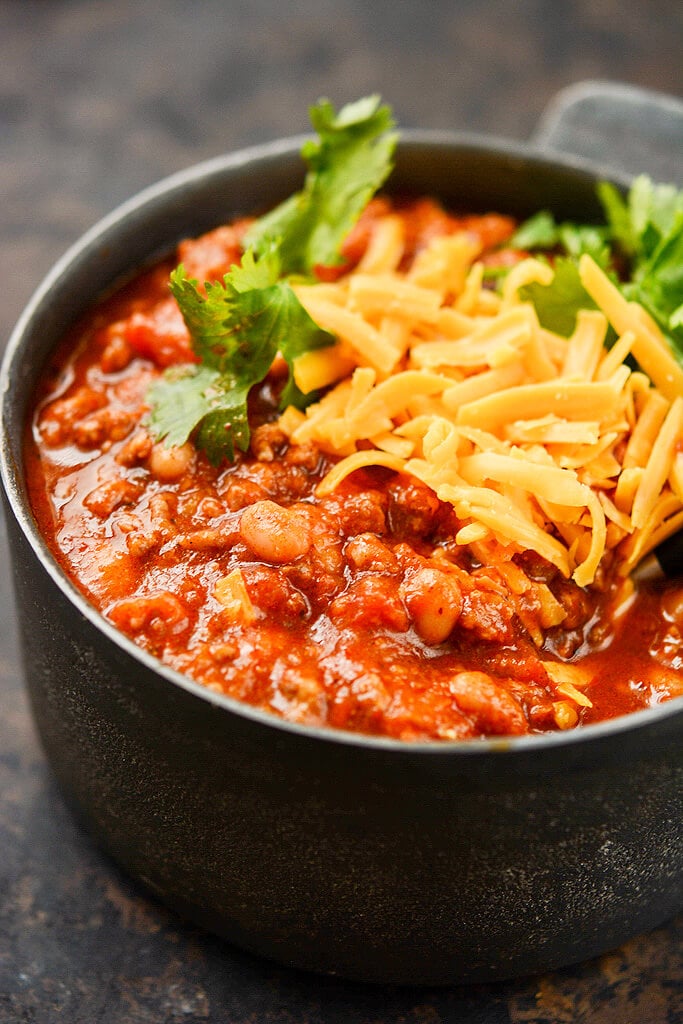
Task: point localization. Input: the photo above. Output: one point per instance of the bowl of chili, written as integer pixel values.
(393, 853)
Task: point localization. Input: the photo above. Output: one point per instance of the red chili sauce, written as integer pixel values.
(348, 590)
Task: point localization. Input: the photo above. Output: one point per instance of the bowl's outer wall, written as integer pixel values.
(378, 864)
(373, 861)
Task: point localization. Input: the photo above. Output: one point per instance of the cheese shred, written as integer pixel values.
(544, 443)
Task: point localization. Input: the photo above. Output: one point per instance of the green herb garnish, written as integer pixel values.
(236, 331)
(349, 162)
(645, 229)
(240, 324)
(648, 227)
(558, 302)
(543, 232)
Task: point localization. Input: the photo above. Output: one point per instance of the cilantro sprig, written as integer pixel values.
(350, 160)
(238, 326)
(644, 229)
(648, 227)
(236, 331)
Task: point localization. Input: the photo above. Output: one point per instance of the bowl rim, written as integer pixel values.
(161, 192)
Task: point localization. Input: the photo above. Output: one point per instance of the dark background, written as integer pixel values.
(97, 100)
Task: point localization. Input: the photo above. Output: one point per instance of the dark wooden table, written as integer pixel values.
(98, 99)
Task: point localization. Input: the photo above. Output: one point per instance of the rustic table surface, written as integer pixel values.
(99, 98)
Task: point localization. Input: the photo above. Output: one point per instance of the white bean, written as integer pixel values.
(273, 533)
(170, 463)
(434, 602)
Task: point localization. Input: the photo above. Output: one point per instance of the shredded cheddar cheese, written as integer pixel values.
(542, 442)
(231, 592)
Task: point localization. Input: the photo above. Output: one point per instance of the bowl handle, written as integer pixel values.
(622, 127)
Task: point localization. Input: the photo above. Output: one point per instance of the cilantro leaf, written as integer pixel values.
(558, 303)
(618, 217)
(642, 221)
(346, 165)
(538, 232)
(543, 232)
(648, 228)
(225, 426)
(236, 329)
(240, 324)
(658, 284)
(655, 211)
(232, 326)
(577, 239)
(645, 227)
(199, 398)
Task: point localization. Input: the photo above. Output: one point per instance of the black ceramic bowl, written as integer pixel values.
(427, 863)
